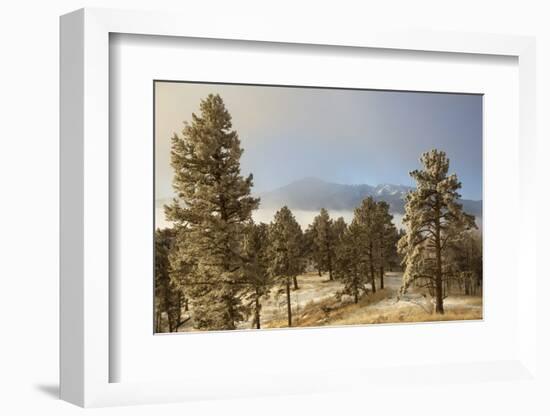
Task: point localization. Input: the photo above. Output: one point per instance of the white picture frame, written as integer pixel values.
(85, 355)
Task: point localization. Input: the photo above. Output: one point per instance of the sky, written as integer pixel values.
(342, 136)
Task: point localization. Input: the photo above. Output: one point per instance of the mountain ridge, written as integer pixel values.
(312, 194)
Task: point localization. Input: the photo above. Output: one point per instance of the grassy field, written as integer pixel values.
(314, 304)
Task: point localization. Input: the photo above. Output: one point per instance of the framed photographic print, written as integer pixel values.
(289, 213)
(305, 239)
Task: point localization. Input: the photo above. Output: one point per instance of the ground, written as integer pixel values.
(314, 304)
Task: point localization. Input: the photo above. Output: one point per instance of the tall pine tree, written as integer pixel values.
(163, 290)
(466, 261)
(255, 245)
(213, 203)
(338, 229)
(367, 219)
(169, 291)
(351, 267)
(285, 252)
(386, 236)
(323, 242)
(433, 220)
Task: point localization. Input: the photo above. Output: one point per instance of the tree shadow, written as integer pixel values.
(51, 390)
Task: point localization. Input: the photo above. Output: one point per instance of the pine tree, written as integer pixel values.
(386, 236)
(162, 277)
(255, 247)
(313, 252)
(466, 262)
(396, 259)
(433, 220)
(323, 242)
(180, 267)
(351, 268)
(285, 252)
(309, 249)
(213, 203)
(338, 229)
(367, 218)
(169, 294)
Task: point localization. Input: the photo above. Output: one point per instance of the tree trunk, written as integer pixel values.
(329, 261)
(372, 277)
(438, 267)
(166, 305)
(295, 280)
(382, 261)
(288, 305)
(157, 320)
(356, 295)
(178, 318)
(319, 271)
(230, 318)
(170, 324)
(257, 311)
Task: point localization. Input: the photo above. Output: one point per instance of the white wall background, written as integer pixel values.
(29, 187)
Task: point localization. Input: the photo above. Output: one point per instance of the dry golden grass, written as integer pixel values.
(379, 308)
(411, 313)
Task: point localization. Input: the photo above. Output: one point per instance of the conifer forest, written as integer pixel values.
(366, 255)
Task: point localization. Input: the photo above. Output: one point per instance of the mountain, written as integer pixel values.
(312, 194)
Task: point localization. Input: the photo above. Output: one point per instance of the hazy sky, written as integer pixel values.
(342, 136)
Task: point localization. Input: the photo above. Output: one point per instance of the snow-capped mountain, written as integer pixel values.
(389, 189)
(312, 194)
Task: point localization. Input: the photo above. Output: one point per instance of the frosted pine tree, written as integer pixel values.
(163, 290)
(367, 219)
(255, 245)
(285, 252)
(386, 238)
(433, 220)
(351, 268)
(465, 256)
(323, 242)
(338, 229)
(180, 266)
(213, 203)
(169, 291)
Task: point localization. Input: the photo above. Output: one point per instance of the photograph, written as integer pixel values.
(281, 206)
